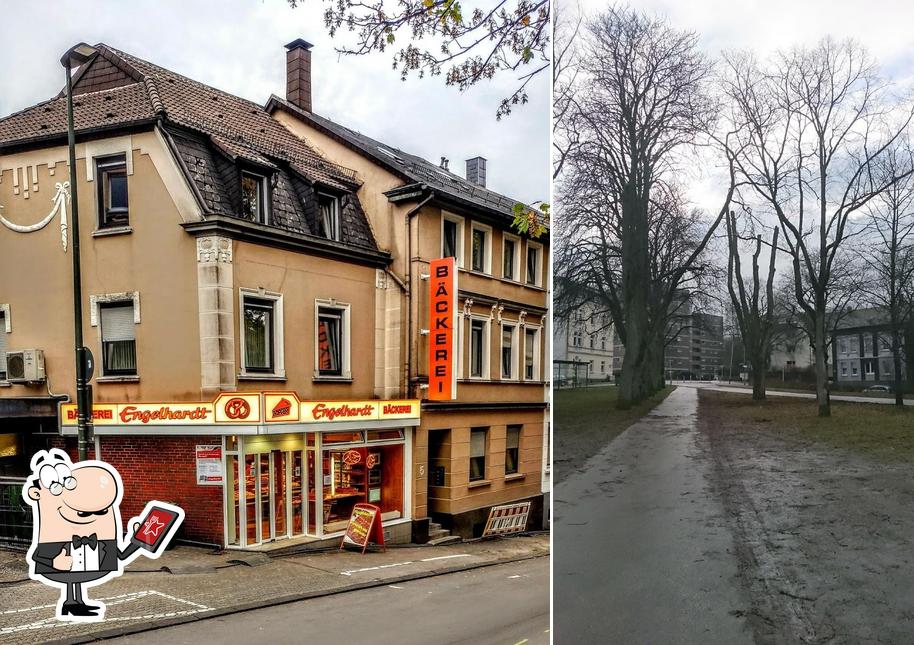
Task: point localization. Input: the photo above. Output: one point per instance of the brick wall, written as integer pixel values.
(163, 468)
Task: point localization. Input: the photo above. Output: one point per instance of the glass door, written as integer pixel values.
(233, 477)
(251, 495)
(264, 498)
(296, 500)
(280, 489)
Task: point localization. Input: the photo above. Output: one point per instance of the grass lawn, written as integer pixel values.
(586, 419)
(879, 431)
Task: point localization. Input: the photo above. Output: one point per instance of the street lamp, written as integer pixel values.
(77, 56)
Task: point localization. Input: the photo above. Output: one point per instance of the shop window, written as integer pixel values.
(512, 449)
(507, 351)
(332, 342)
(531, 354)
(342, 437)
(253, 197)
(479, 348)
(452, 238)
(509, 258)
(361, 474)
(384, 435)
(118, 339)
(481, 251)
(329, 216)
(111, 174)
(259, 335)
(478, 438)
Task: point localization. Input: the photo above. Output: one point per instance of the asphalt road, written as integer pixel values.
(504, 604)
(642, 550)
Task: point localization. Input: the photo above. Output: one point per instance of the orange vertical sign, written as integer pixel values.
(442, 338)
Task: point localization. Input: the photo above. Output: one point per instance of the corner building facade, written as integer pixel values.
(253, 296)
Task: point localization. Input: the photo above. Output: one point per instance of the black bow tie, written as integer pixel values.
(90, 541)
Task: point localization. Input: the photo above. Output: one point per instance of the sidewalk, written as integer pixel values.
(189, 584)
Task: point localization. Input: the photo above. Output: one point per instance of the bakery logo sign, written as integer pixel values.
(237, 409)
(283, 408)
(227, 408)
(342, 411)
(442, 316)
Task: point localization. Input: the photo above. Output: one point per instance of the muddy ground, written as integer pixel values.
(824, 537)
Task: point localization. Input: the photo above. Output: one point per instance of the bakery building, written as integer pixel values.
(254, 299)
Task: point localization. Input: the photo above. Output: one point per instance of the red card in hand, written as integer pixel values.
(154, 528)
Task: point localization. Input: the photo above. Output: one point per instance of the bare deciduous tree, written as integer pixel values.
(818, 122)
(754, 308)
(889, 254)
(643, 99)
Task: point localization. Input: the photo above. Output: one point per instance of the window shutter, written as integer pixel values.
(478, 443)
(117, 323)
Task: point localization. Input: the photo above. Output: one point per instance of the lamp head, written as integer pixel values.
(77, 55)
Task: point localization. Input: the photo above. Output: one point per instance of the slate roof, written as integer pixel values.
(212, 132)
(411, 168)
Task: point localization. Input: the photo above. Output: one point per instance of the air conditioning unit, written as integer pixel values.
(25, 366)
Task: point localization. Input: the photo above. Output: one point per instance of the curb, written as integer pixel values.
(285, 600)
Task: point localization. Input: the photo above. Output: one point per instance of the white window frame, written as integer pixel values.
(538, 281)
(95, 301)
(459, 221)
(486, 348)
(537, 353)
(337, 220)
(515, 261)
(279, 363)
(515, 371)
(264, 216)
(345, 309)
(868, 365)
(486, 252)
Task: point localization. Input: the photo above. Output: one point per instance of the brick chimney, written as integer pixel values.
(476, 171)
(298, 73)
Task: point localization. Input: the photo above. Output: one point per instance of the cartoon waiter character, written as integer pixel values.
(76, 539)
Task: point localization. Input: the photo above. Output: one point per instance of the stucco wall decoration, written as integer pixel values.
(60, 206)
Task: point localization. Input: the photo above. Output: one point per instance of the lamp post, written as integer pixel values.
(78, 55)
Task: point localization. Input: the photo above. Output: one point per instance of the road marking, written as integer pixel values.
(394, 587)
(402, 564)
(512, 577)
(521, 642)
(51, 622)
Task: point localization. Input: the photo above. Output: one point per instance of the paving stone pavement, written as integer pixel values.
(188, 583)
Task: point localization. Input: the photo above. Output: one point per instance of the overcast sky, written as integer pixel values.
(237, 46)
(766, 26)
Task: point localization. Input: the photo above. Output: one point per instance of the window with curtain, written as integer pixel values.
(258, 335)
(2, 346)
(530, 348)
(329, 216)
(477, 347)
(329, 341)
(118, 339)
(478, 453)
(479, 250)
(508, 260)
(532, 265)
(507, 351)
(449, 239)
(512, 450)
(111, 175)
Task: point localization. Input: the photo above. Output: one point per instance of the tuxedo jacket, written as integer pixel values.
(45, 552)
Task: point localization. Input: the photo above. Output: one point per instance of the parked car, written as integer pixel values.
(878, 388)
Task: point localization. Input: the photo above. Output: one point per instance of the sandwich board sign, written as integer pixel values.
(364, 527)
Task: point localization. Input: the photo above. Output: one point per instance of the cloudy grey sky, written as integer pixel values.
(766, 26)
(237, 46)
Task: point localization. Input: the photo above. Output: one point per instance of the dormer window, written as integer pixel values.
(253, 197)
(111, 174)
(328, 216)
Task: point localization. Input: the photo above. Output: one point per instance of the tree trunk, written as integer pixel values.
(896, 361)
(821, 375)
(758, 381)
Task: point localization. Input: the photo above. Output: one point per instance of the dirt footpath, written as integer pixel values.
(824, 538)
